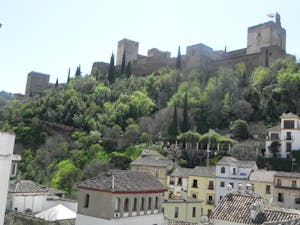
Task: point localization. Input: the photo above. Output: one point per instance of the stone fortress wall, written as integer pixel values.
(265, 43)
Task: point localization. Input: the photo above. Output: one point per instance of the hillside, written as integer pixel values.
(89, 124)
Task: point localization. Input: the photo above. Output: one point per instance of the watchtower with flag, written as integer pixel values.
(268, 38)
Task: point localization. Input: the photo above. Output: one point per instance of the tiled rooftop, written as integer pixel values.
(152, 158)
(203, 171)
(287, 174)
(275, 128)
(26, 186)
(289, 115)
(123, 181)
(226, 160)
(262, 176)
(235, 208)
(181, 172)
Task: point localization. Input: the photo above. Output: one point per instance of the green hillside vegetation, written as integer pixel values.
(90, 124)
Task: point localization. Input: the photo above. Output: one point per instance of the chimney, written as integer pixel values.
(249, 189)
(228, 188)
(241, 189)
(256, 208)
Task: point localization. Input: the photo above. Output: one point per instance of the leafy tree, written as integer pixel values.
(275, 148)
(239, 129)
(178, 60)
(128, 69)
(111, 69)
(123, 65)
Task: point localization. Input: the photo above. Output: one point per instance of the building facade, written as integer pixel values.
(120, 197)
(7, 142)
(284, 138)
(233, 172)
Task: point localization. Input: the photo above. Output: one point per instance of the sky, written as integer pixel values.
(51, 36)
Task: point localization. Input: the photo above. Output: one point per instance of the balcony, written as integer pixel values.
(210, 187)
(210, 202)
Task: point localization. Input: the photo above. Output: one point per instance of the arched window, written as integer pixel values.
(143, 204)
(149, 203)
(223, 170)
(118, 205)
(134, 208)
(126, 205)
(86, 201)
(156, 202)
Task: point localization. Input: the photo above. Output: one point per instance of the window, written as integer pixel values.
(288, 146)
(172, 181)
(294, 183)
(176, 212)
(232, 185)
(195, 183)
(223, 170)
(288, 136)
(274, 136)
(268, 189)
(126, 205)
(86, 201)
(288, 124)
(156, 203)
(143, 204)
(221, 197)
(194, 212)
(179, 181)
(209, 211)
(222, 184)
(134, 208)
(234, 171)
(297, 200)
(280, 197)
(149, 203)
(211, 185)
(194, 195)
(117, 205)
(278, 182)
(201, 211)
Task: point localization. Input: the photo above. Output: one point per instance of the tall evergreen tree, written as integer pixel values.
(78, 71)
(68, 80)
(111, 69)
(123, 65)
(185, 123)
(56, 83)
(173, 129)
(178, 61)
(128, 69)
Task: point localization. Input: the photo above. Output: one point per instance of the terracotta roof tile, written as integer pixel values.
(26, 186)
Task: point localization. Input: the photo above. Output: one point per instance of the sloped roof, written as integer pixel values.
(275, 128)
(289, 115)
(123, 181)
(203, 171)
(226, 160)
(58, 212)
(152, 158)
(26, 186)
(235, 207)
(262, 176)
(287, 174)
(181, 172)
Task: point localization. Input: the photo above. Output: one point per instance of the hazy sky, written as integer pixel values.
(52, 35)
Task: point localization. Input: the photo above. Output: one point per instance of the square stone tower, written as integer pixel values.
(266, 35)
(131, 51)
(36, 83)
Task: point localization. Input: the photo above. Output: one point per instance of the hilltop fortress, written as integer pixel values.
(265, 43)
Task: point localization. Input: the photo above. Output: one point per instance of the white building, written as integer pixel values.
(7, 142)
(26, 196)
(285, 137)
(230, 171)
(178, 182)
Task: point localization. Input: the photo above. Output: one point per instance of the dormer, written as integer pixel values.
(289, 121)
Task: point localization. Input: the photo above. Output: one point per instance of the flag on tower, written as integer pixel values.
(271, 15)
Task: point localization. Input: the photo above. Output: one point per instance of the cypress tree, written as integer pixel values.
(128, 69)
(68, 76)
(78, 71)
(185, 122)
(178, 61)
(173, 129)
(56, 83)
(123, 64)
(111, 69)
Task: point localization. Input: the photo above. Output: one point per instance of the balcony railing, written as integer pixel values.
(210, 187)
(210, 202)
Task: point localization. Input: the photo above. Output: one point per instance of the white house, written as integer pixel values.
(230, 171)
(178, 182)
(285, 137)
(7, 142)
(26, 196)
